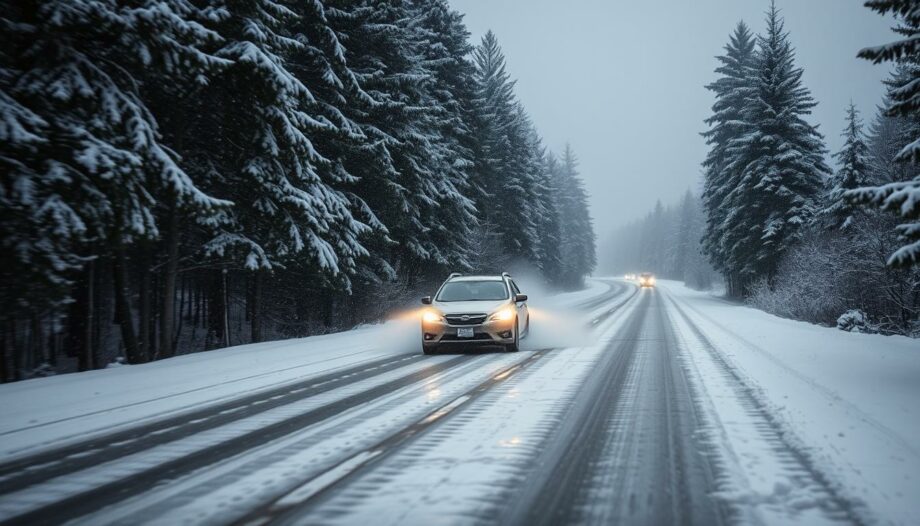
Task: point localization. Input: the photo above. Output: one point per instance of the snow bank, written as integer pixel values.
(849, 400)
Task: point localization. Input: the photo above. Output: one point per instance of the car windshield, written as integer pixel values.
(473, 291)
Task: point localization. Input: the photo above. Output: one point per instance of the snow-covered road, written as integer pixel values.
(676, 407)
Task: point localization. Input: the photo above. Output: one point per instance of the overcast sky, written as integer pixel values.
(622, 81)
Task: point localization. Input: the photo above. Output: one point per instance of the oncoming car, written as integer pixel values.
(646, 279)
(475, 310)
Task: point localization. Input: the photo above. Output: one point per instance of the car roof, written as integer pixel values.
(477, 278)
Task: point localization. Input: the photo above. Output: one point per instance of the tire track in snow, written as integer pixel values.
(296, 506)
(221, 493)
(797, 486)
(288, 508)
(34, 469)
(867, 418)
(469, 466)
(85, 500)
(53, 463)
(628, 452)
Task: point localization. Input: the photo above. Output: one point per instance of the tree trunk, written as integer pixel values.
(153, 350)
(53, 340)
(179, 320)
(196, 317)
(123, 306)
(144, 308)
(79, 320)
(225, 318)
(87, 354)
(4, 372)
(167, 314)
(327, 308)
(255, 309)
(16, 351)
(37, 347)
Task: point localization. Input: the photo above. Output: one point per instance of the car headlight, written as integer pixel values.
(430, 316)
(504, 314)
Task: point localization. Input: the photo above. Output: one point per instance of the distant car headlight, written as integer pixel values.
(505, 314)
(430, 316)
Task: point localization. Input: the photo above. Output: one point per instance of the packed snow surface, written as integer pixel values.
(779, 422)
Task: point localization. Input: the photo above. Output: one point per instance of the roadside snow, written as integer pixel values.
(44, 412)
(846, 401)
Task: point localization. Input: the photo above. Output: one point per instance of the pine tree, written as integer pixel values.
(550, 225)
(887, 136)
(779, 157)
(91, 160)
(502, 159)
(443, 44)
(725, 125)
(853, 172)
(577, 230)
(684, 243)
(287, 193)
(412, 170)
(902, 197)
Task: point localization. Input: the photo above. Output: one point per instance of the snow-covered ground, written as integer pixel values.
(42, 412)
(626, 405)
(847, 402)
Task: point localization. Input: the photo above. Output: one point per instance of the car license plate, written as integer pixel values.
(465, 332)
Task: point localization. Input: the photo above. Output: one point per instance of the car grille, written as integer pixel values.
(465, 319)
(480, 338)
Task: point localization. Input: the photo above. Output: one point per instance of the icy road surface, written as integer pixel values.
(636, 406)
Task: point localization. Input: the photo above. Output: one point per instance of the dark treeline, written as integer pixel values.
(785, 229)
(665, 242)
(181, 175)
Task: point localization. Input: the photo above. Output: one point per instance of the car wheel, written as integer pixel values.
(429, 350)
(514, 347)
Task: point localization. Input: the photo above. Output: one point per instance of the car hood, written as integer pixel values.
(469, 307)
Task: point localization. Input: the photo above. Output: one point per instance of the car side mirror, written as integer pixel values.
(426, 300)
(520, 297)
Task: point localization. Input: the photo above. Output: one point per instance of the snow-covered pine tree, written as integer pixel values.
(695, 269)
(262, 153)
(501, 170)
(653, 240)
(544, 207)
(579, 257)
(520, 186)
(853, 172)
(682, 243)
(409, 59)
(901, 197)
(735, 72)
(96, 159)
(549, 225)
(443, 43)
(886, 137)
(780, 159)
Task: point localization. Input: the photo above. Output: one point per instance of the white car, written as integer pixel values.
(475, 310)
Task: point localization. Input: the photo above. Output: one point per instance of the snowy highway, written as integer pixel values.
(658, 416)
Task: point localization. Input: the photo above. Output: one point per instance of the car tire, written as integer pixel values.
(429, 350)
(515, 347)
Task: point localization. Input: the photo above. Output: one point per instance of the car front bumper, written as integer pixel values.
(486, 333)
